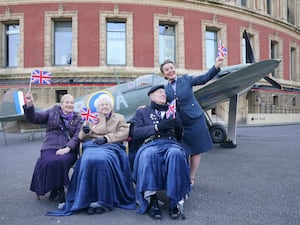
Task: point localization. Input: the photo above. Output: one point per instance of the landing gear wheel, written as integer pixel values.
(217, 133)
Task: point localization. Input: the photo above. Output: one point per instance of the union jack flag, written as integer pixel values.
(171, 109)
(88, 115)
(40, 77)
(222, 50)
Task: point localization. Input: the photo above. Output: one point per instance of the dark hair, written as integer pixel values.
(164, 63)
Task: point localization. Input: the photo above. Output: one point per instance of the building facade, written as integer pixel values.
(88, 45)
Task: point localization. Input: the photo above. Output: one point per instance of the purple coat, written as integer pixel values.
(55, 137)
(52, 171)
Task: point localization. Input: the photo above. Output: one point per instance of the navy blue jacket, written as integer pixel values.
(196, 136)
(187, 105)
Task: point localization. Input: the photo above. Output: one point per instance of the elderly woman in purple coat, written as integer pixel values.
(59, 148)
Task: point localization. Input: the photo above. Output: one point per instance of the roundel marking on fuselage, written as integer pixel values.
(91, 100)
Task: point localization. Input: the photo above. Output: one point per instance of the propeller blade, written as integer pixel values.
(273, 82)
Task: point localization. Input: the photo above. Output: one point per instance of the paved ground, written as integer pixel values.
(258, 182)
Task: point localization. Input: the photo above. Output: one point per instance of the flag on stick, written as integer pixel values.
(171, 109)
(222, 50)
(89, 116)
(39, 77)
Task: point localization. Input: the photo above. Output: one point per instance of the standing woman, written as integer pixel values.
(196, 138)
(59, 148)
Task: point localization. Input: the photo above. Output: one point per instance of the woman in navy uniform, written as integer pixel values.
(196, 138)
(160, 163)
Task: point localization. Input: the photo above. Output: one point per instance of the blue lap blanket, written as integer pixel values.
(102, 175)
(161, 165)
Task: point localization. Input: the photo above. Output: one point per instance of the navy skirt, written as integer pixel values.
(196, 137)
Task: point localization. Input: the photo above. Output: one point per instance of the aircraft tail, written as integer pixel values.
(249, 52)
(250, 59)
(12, 103)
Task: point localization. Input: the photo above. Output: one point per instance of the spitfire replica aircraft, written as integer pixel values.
(231, 82)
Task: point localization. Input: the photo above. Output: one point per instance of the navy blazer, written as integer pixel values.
(196, 136)
(187, 105)
(144, 121)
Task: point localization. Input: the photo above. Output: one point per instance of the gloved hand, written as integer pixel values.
(86, 129)
(178, 128)
(100, 141)
(165, 125)
(178, 123)
(178, 133)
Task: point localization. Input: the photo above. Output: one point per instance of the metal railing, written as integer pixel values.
(269, 108)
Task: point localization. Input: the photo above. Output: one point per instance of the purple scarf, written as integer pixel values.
(66, 118)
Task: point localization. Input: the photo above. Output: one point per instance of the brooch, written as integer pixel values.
(152, 116)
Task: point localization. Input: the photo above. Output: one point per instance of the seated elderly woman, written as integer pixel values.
(102, 176)
(59, 149)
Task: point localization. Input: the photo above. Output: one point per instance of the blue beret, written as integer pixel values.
(154, 88)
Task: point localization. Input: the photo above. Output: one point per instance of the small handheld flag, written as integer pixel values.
(171, 109)
(40, 77)
(89, 116)
(222, 50)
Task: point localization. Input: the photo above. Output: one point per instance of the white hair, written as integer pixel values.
(103, 98)
(63, 98)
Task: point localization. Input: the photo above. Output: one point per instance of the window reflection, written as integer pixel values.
(12, 44)
(274, 54)
(211, 47)
(62, 42)
(167, 47)
(293, 64)
(116, 43)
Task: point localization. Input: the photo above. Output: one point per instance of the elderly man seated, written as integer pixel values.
(160, 163)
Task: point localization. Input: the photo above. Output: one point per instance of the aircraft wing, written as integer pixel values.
(14, 117)
(11, 106)
(233, 83)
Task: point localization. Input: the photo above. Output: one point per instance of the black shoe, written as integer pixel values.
(61, 195)
(174, 213)
(91, 211)
(154, 210)
(53, 194)
(100, 210)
